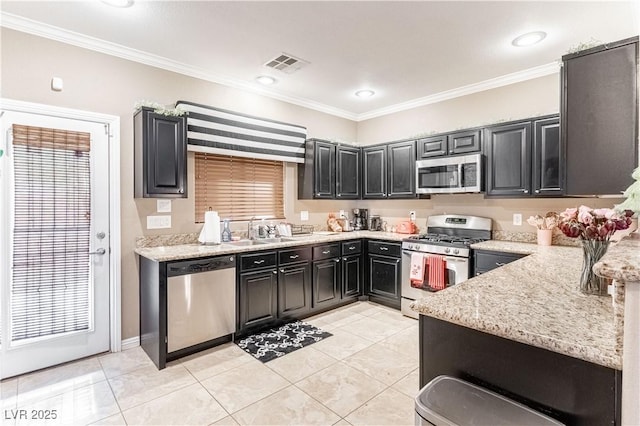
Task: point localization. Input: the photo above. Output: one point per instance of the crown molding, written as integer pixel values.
(40, 29)
(505, 80)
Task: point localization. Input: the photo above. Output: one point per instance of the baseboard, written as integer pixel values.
(130, 343)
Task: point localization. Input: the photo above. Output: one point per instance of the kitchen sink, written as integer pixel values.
(241, 243)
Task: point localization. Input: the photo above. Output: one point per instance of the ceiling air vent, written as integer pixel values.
(286, 63)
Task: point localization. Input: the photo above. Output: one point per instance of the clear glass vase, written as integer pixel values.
(592, 252)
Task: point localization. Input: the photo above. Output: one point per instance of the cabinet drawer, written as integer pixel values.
(488, 260)
(384, 248)
(326, 252)
(296, 255)
(258, 260)
(351, 247)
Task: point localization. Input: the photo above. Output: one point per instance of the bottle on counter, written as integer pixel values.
(226, 231)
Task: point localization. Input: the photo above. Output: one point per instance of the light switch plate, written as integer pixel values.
(158, 222)
(412, 216)
(163, 206)
(304, 215)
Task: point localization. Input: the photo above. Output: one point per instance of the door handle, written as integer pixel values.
(99, 251)
(326, 252)
(295, 256)
(258, 262)
(383, 248)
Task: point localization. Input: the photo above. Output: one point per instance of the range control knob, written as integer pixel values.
(447, 250)
(456, 251)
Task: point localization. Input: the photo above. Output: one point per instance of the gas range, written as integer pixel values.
(450, 235)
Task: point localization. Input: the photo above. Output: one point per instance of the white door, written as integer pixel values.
(54, 246)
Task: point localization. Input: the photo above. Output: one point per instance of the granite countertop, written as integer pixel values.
(534, 300)
(622, 260)
(171, 252)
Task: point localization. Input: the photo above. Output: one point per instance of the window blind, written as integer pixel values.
(51, 204)
(238, 188)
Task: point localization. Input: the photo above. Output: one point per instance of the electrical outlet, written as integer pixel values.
(304, 215)
(158, 222)
(412, 216)
(341, 214)
(517, 219)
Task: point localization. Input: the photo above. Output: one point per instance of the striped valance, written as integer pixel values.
(218, 131)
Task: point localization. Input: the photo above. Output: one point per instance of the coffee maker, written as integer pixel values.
(360, 219)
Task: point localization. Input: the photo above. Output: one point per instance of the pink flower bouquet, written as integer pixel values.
(593, 224)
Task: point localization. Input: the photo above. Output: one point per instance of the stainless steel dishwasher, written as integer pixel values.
(201, 301)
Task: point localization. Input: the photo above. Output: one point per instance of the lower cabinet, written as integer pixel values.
(294, 290)
(485, 261)
(258, 299)
(326, 279)
(384, 272)
(351, 276)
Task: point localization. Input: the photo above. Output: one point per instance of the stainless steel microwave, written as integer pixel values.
(448, 175)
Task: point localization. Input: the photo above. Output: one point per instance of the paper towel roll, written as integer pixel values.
(210, 233)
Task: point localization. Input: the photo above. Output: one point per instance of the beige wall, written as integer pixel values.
(105, 84)
(101, 83)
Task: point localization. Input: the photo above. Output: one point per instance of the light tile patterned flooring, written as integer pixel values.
(365, 374)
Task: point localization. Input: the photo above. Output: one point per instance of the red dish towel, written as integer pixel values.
(416, 271)
(437, 271)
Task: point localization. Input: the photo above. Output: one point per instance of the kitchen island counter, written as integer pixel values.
(534, 300)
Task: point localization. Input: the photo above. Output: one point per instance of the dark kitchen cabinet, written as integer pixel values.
(485, 261)
(450, 144)
(509, 159)
(294, 282)
(258, 291)
(383, 269)
(389, 170)
(160, 155)
(325, 276)
(600, 118)
(524, 158)
(294, 290)
(352, 269)
(330, 171)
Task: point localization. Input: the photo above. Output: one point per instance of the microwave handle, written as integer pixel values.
(460, 176)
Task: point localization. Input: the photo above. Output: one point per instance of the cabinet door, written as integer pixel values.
(258, 299)
(509, 159)
(348, 172)
(401, 169)
(463, 142)
(600, 118)
(433, 146)
(375, 172)
(324, 170)
(351, 276)
(294, 290)
(547, 157)
(384, 278)
(326, 278)
(161, 153)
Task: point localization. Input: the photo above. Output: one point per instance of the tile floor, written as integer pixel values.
(365, 374)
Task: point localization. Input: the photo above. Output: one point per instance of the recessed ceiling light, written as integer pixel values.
(118, 3)
(265, 80)
(529, 39)
(365, 93)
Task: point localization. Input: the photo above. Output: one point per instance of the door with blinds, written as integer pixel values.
(54, 291)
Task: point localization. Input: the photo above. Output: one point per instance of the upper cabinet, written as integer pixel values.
(524, 158)
(460, 142)
(600, 118)
(330, 171)
(160, 155)
(389, 170)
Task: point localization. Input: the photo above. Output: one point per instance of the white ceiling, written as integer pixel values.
(408, 52)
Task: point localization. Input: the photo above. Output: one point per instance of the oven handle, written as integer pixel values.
(447, 258)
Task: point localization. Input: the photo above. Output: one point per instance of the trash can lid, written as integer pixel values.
(448, 401)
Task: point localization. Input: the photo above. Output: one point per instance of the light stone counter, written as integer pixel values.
(180, 250)
(534, 300)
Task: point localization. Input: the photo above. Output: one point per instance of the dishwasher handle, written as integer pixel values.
(187, 267)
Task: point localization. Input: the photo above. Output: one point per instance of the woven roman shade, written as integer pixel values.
(238, 188)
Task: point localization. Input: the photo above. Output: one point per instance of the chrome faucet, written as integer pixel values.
(250, 230)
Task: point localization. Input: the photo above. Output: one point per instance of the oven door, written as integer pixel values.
(457, 272)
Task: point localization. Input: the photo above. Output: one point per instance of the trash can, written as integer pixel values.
(448, 401)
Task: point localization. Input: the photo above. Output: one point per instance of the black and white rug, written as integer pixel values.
(280, 341)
